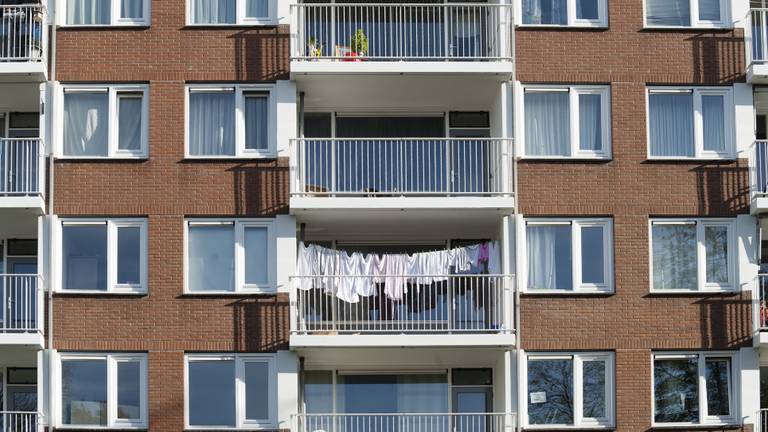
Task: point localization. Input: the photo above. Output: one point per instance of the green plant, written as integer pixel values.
(315, 48)
(359, 42)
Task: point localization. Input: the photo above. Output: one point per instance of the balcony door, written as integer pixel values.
(18, 156)
(18, 399)
(18, 286)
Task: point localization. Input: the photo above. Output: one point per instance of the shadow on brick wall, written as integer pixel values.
(723, 189)
(261, 188)
(262, 54)
(261, 324)
(726, 321)
(718, 57)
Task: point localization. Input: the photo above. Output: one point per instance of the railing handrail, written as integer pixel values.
(401, 414)
(436, 5)
(404, 139)
(420, 275)
(21, 412)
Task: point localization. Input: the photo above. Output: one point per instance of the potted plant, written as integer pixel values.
(315, 48)
(358, 44)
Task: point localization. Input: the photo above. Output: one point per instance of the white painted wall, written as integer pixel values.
(745, 118)
(285, 95)
(749, 359)
(285, 236)
(287, 387)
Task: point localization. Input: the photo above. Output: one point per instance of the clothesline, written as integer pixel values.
(350, 276)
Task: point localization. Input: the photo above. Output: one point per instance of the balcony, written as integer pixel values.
(758, 177)
(400, 173)
(401, 422)
(433, 310)
(21, 296)
(16, 421)
(402, 38)
(22, 169)
(23, 42)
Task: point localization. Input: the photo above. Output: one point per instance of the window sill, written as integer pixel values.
(230, 293)
(562, 293)
(566, 427)
(678, 292)
(116, 427)
(190, 26)
(142, 26)
(687, 28)
(689, 426)
(226, 158)
(61, 292)
(101, 158)
(594, 27)
(230, 428)
(580, 159)
(684, 159)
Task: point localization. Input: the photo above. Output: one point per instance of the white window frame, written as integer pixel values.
(115, 19)
(574, 91)
(239, 90)
(113, 91)
(725, 15)
(112, 360)
(576, 225)
(578, 360)
(704, 418)
(239, 226)
(572, 21)
(112, 225)
(701, 254)
(698, 121)
(240, 18)
(240, 405)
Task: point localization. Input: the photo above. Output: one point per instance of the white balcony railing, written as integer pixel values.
(389, 31)
(374, 167)
(22, 33)
(430, 304)
(483, 422)
(762, 420)
(15, 421)
(21, 166)
(758, 168)
(20, 303)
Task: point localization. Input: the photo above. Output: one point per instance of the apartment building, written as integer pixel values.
(383, 216)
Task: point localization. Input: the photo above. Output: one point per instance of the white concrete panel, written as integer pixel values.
(750, 384)
(285, 94)
(287, 387)
(745, 119)
(285, 236)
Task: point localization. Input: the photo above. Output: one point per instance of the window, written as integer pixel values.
(692, 388)
(692, 255)
(230, 122)
(231, 391)
(569, 390)
(229, 256)
(577, 13)
(103, 390)
(106, 12)
(105, 122)
(687, 13)
(566, 122)
(103, 255)
(569, 255)
(690, 123)
(231, 12)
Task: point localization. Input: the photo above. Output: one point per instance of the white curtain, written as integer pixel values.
(129, 128)
(85, 12)
(544, 12)
(590, 121)
(257, 8)
(713, 113)
(212, 258)
(547, 124)
(709, 10)
(671, 124)
(213, 11)
(131, 9)
(256, 122)
(548, 269)
(212, 124)
(85, 124)
(674, 256)
(668, 12)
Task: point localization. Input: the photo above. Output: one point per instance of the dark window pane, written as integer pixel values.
(594, 389)
(390, 127)
(473, 377)
(318, 393)
(718, 386)
(370, 394)
(84, 250)
(550, 391)
(676, 390)
(256, 390)
(587, 9)
(129, 390)
(84, 392)
(317, 125)
(467, 119)
(128, 255)
(22, 376)
(212, 393)
(22, 247)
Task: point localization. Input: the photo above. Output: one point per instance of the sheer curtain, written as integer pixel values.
(590, 122)
(85, 12)
(213, 11)
(212, 124)
(131, 8)
(713, 113)
(547, 124)
(211, 258)
(671, 124)
(674, 256)
(709, 10)
(85, 124)
(256, 122)
(544, 12)
(668, 12)
(549, 257)
(129, 128)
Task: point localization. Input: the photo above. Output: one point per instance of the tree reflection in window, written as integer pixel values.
(676, 390)
(550, 391)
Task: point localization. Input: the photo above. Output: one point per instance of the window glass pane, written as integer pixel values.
(668, 12)
(713, 113)
(547, 124)
(129, 128)
(213, 11)
(588, 10)
(676, 390)
(590, 122)
(671, 124)
(212, 258)
(709, 10)
(212, 123)
(545, 12)
(394, 394)
(128, 390)
(87, 12)
(318, 396)
(594, 389)
(716, 245)
(256, 267)
(22, 376)
(256, 122)
(592, 255)
(131, 9)
(212, 393)
(549, 257)
(550, 392)
(257, 390)
(129, 255)
(257, 8)
(84, 392)
(718, 386)
(86, 123)
(674, 256)
(84, 257)
(472, 377)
